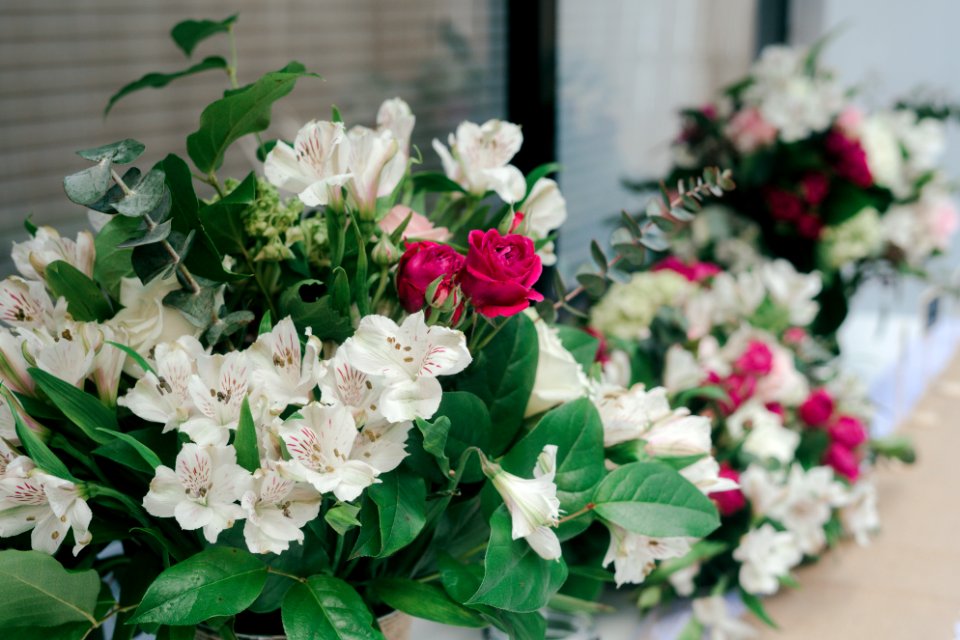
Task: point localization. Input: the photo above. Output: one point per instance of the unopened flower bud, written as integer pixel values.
(385, 253)
(512, 223)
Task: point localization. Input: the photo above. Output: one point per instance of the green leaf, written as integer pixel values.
(301, 559)
(238, 114)
(328, 608)
(245, 440)
(143, 450)
(36, 591)
(158, 80)
(581, 345)
(223, 220)
(401, 500)
(122, 152)
(80, 407)
(470, 426)
(652, 499)
(266, 323)
(189, 33)
(502, 376)
(434, 181)
(342, 518)
(755, 606)
(38, 451)
(577, 431)
(435, 439)
(540, 172)
(120, 451)
(112, 263)
(85, 300)
(308, 305)
(145, 195)
(218, 581)
(133, 355)
(426, 601)
(515, 578)
(592, 283)
(88, 186)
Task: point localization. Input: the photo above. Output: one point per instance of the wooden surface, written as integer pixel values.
(906, 584)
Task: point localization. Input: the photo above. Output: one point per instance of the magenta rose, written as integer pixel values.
(756, 359)
(694, 272)
(421, 264)
(843, 460)
(847, 431)
(817, 408)
(729, 502)
(500, 272)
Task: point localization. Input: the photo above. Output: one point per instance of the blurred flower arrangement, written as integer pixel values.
(822, 183)
(326, 393)
(785, 425)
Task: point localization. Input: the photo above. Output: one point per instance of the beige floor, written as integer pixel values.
(906, 584)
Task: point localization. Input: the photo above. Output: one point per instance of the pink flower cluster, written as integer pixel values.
(800, 209)
(692, 271)
(846, 432)
(754, 363)
(848, 158)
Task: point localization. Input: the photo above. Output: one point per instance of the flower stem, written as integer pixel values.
(576, 514)
(285, 574)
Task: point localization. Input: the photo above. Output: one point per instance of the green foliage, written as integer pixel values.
(400, 499)
(581, 345)
(470, 426)
(189, 33)
(85, 300)
(245, 440)
(329, 608)
(37, 594)
(426, 601)
(754, 604)
(38, 451)
(81, 408)
(433, 181)
(308, 305)
(159, 80)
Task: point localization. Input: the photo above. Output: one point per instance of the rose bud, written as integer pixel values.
(421, 264)
(500, 272)
(843, 460)
(817, 408)
(385, 253)
(756, 360)
(732, 501)
(848, 431)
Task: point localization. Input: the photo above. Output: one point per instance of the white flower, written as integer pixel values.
(217, 390)
(795, 292)
(682, 580)
(635, 413)
(395, 115)
(382, 446)
(923, 227)
(342, 383)
(321, 445)
(50, 506)
(164, 396)
(634, 556)
(280, 376)
(617, 370)
(33, 256)
(712, 613)
(146, 319)
(544, 211)
(560, 378)
(25, 303)
(67, 354)
(376, 167)
(315, 167)
(478, 159)
(681, 369)
(765, 555)
(766, 437)
(858, 512)
(13, 364)
(628, 308)
(276, 510)
(408, 358)
(532, 503)
(202, 492)
(859, 237)
(704, 474)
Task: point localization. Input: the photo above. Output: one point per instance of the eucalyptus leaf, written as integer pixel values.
(90, 185)
(145, 195)
(123, 152)
(159, 233)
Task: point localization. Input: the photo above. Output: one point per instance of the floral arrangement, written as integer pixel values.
(786, 426)
(299, 401)
(822, 183)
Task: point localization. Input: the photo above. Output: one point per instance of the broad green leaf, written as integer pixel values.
(218, 581)
(38, 451)
(515, 578)
(85, 300)
(328, 608)
(470, 426)
(158, 80)
(308, 304)
(502, 376)
(245, 440)
(342, 518)
(435, 181)
(223, 220)
(90, 185)
(112, 263)
(401, 499)
(189, 33)
(577, 431)
(426, 601)
(80, 407)
(435, 439)
(36, 591)
(652, 499)
(122, 152)
(581, 345)
(301, 559)
(142, 450)
(238, 114)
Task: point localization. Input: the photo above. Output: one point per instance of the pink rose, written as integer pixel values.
(817, 408)
(500, 272)
(943, 222)
(729, 502)
(784, 205)
(847, 431)
(419, 227)
(420, 265)
(694, 272)
(775, 407)
(815, 187)
(843, 460)
(794, 335)
(749, 131)
(849, 159)
(756, 359)
(810, 226)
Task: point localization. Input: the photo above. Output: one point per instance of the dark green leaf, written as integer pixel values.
(223, 220)
(592, 283)
(245, 441)
(598, 256)
(113, 263)
(435, 181)
(426, 601)
(652, 499)
(158, 80)
(435, 440)
(234, 116)
(122, 452)
(85, 300)
(148, 456)
(36, 591)
(122, 152)
(581, 345)
(401, 500)
(39, 452)
(133, 355)
(328, 608)
(470, 426)
(540, 172)
(189, 33)
(308, 305)
(303, 560)
(80, 407)
(218, 581)
(755, 606)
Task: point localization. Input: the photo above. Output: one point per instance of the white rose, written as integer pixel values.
(144, 317)
(560, 378)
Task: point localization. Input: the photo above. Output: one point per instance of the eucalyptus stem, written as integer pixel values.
(151, 225)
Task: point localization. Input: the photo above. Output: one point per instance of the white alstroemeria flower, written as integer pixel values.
(682, 580)
(50, 506)
(279, 374)
(13, 364)
(408, 358)
(544, 210)
(704, 474)
(26, 303)
(342, 383)
(769, 439)
(766, 555)
(560, 378)
(634, 556)
(376, 167)
(164, 396)
(321, 444)
(617, 371)
(681, 370)
(796, 292)
(202, 492)
(395, 116)
(276, 511)
(68, 354)
(859, 512)
(712, 613)
(315, 167)
(33, 256)
(108, 361)
(532, 503)
(383, 445)
(478, 159)
(217, 390)
(146, 319)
